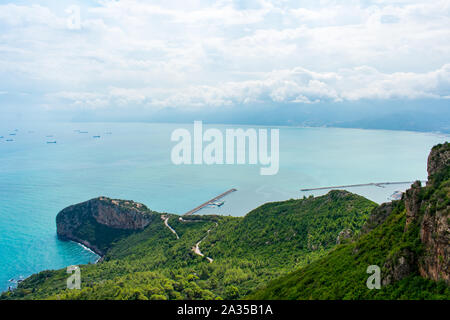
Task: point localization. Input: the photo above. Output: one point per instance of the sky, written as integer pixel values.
(139, 59)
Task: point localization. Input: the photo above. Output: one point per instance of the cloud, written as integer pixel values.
(199, 54)
(297, 85)
(19, 16)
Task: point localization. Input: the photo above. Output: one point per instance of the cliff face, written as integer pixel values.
(429, 208)
(439, 159)
(99, 222)
(377, 217)
(409, 239)
(435, 235)
(434, 230)
(413, 202)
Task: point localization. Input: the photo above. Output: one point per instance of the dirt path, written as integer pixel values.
(166, 219)
(196, 249)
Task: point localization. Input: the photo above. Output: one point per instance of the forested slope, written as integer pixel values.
(408, 239)
(153, 264)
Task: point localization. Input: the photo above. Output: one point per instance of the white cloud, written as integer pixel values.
(296, 85)
(219, 53)
(19, 16)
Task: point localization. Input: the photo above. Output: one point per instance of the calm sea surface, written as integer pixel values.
(132, 161)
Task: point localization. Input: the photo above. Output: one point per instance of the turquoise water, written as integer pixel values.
(133, 162)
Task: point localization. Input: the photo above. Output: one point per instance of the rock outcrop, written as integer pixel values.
(427, 209)
(413, 203)
(98, 222)
(435, 235)
(399, 266)
(377, 217)
(439, 159)
(434, 228)
(344, 235)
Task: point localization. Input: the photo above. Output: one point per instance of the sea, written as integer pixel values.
(47, 167)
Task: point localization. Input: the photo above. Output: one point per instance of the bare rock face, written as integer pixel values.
(399, 266)
(428, 209)
(344, 235)
(434, 229)
(435, 235)
(121, 215)
(439, 159)
(377, 217)
(98, 222)
(412, 203)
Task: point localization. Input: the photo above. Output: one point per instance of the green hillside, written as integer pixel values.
(393, 245)
(342, 273)
(311, 248)
(247, 252)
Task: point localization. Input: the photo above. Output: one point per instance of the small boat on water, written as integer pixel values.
(51, 142)
(12, 134)
(1, 137)
(9, 140)
(216, 203)
(96, 137)
(82, 131)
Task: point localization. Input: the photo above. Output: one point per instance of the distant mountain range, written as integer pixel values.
(427, 115)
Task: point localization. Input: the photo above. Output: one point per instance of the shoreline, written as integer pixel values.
(92, 249)
(84, 244)
(22, 278)
(88, 249)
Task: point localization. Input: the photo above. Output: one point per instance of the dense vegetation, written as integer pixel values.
(281, 250)
(153, 264)
(342, 273)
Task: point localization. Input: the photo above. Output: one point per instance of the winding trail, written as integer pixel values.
(166, 219)
(196, 249)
